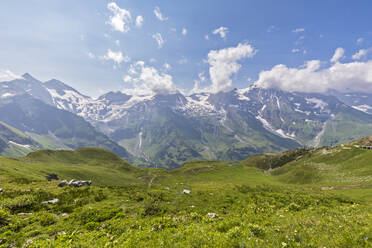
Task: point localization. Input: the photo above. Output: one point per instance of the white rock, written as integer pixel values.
(212, 215)
(186, 191)
(54, 201)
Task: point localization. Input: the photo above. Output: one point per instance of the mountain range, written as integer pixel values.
(166, 130)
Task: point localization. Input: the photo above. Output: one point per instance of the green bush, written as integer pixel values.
(47, 219)
(97, 215)
(19, 203)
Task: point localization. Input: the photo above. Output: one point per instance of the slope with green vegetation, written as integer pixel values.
(15, 143)
(276, 200)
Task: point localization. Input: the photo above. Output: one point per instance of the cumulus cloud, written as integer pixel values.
(295, 50)
(7, 75)
(120, 18)
(222, 31)
(117, 57)
(184, 31)
(339, 54)
(343, 77)
(298, 30)
(206, 37)
(139, 21)
(361, 54)
(224, 63)
(197, 83)
(148, 80)
(159, 15)
(159, 39)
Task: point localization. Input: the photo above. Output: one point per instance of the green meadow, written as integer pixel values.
(300, 198)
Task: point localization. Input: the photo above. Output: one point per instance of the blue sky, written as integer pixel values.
(70, 40)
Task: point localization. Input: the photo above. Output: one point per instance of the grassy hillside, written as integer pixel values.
(277, 200)
(329, 166)
(15, 143)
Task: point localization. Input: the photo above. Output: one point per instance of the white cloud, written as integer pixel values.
(147, 80)
(297, 50)
(201, 79)
(339, 54)
(139, 21)
(91, 55)
(159, 39)
(167, 66)
(360, 40)
(223, 63)
(184, 31)
(117, 57)
(7, 75)
(120, 18)
(361, 54)
(117, 42)
(206, 37)
(298, 30)
(159, 15)
(347, 77)
(222, 31)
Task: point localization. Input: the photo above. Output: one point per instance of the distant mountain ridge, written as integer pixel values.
(27, 105)
(167, 130)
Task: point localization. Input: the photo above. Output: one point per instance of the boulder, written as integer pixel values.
(54, 201)
(212, 215)
(1, 190)
(186, 191)
(62, 183)
(77, 183)
(51, 177)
